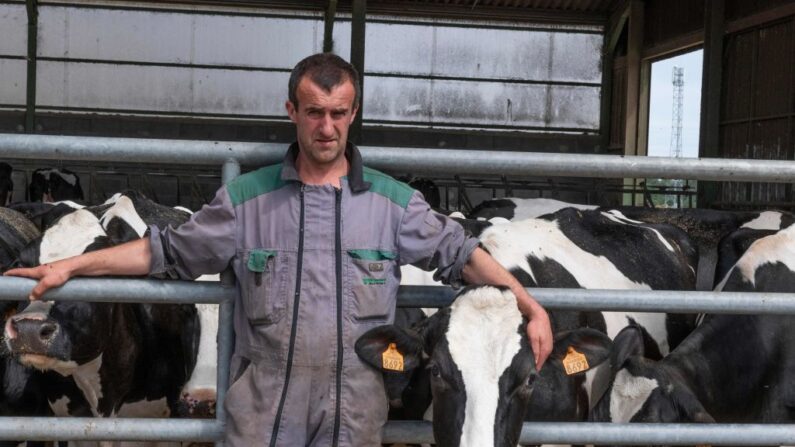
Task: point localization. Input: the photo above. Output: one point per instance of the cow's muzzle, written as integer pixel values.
(31, 334)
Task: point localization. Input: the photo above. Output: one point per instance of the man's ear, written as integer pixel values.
(353, 114)
(291, 110)
(371, 347)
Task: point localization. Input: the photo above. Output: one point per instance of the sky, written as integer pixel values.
(661, 104)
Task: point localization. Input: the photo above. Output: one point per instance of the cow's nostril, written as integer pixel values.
(47, 330)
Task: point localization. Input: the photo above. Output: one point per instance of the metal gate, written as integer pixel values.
(230, 155)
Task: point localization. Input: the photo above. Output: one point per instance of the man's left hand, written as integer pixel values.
(539, 334)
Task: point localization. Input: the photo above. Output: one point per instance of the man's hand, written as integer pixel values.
(48, 275)
(481, 268)
(539, 333)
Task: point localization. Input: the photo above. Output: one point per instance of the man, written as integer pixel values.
(315, 243)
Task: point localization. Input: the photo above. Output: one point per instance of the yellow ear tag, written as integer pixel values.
(574, 362)
(392, 359)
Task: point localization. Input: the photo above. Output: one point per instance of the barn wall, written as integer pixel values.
(758, 107)
(667, 20)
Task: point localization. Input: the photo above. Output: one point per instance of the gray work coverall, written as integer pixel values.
(316, 266)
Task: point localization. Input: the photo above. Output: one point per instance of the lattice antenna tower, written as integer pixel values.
(678, 80)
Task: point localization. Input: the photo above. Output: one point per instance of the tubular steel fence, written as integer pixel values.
(231, 155)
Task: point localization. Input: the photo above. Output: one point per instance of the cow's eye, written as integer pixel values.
(435, 371)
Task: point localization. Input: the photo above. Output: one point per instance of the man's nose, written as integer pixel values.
(327, 126)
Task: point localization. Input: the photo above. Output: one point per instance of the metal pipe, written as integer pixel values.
(625, 300)
(117, 290)
(103, 429)
(230, 170)
(226, 333)
(110, 290)
(419, 160)
(618, 434)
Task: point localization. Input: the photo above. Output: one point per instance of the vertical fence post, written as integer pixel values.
(226, 335)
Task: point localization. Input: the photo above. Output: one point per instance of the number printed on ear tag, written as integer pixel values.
(392, 359)
(574, 362)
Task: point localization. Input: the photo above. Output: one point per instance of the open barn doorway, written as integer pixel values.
(673, 128)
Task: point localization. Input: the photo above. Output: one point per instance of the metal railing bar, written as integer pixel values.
(111, 290)
(103, 429)
(625, 300)
(579, 433)
(120, 290)
(208, 430)
(417, 160)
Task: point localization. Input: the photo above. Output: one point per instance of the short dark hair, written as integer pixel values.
(327, 70)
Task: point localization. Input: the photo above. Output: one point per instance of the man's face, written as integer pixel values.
(322, 120)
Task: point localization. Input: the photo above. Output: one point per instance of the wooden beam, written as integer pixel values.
(709, 136)
(33, 37)
(616, 25)
(682, 43)
(760, 18)
(357, 60)
(606, 103)
(328, 29)
(634, 48)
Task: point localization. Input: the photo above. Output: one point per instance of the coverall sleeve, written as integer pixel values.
(429, 240)
(205, 244)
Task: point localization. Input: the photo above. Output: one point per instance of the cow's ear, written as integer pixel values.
(691, 409)
(392, 342)
(592, 344)
(630, 342)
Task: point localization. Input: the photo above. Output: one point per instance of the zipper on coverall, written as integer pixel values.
(294, 328)
(338, 264)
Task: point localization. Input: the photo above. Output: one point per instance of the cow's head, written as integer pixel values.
(61, 337)
(643, 389)
(53, 185)
(481, 367)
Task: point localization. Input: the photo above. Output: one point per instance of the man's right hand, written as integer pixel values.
(49, 276)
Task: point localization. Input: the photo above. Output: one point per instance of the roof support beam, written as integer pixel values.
(33, 37)
(709, 136)
(328, 29)
(634, 49)
(357, 60)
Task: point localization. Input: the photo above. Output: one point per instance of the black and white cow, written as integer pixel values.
(582, 249)
(6, 184)
(479, 362)
(20, 388)
(54, 185)
(731, 369)
(594, 249)
(105, 359)
(512, 208)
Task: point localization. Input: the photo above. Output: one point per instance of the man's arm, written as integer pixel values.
(132, 258)
(483, 269)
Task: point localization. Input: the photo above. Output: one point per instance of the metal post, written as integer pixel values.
(709, 136)
(226, 334)
(33, 33)
(328, 29)
(357, 60)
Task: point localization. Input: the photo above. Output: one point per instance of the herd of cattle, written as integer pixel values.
(468, 367)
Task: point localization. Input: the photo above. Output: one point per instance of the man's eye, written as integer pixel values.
(315, 114)
(338, 115)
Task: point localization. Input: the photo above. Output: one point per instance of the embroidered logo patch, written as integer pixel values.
(373, 281)
(376, 267)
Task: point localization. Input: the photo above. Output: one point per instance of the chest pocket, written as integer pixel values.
(264, 294)
(370, 273)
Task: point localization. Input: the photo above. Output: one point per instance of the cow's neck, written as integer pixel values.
(710, 362)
